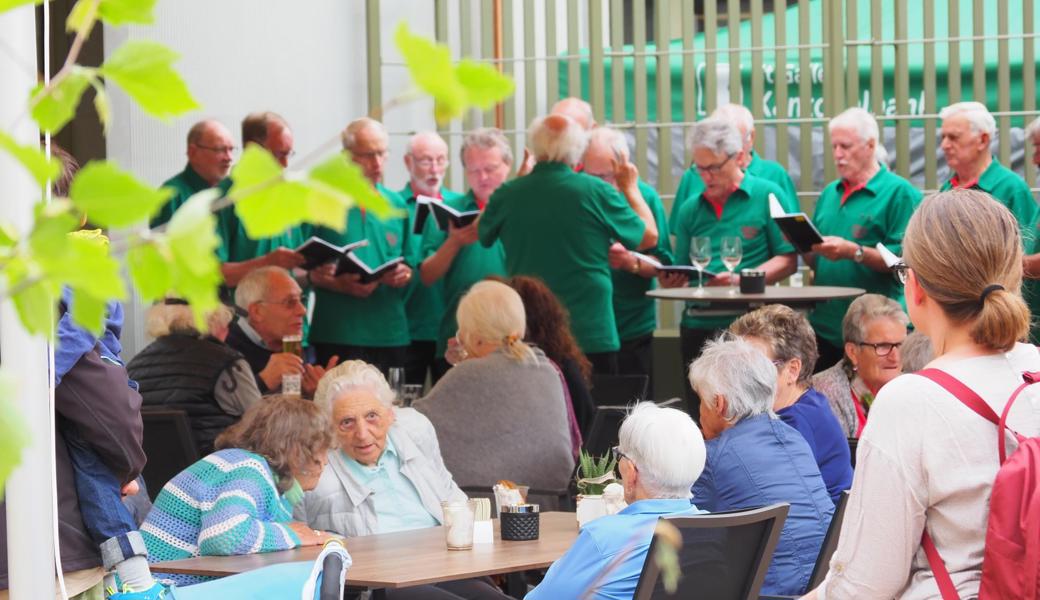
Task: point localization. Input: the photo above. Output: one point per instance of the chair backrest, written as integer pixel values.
(168, 444)
(619, 390)
(830, 543)
(853, 444)
(603, 435)
(724, 556)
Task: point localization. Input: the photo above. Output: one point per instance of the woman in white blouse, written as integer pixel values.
(926, 461)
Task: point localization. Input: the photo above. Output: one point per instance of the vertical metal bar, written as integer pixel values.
(851, 54)
(574, 49)
(1003, 83)
(500, 33)
(902, 90)
(757, 75)
(930, 155)
(733, 29)
(834, 90)
(953, 68)
(689, 70)
(1028, 80)
(805, 98)
(373, 57)
(552, 67)
(711, 34)
(662, 27)
(597, 93)
(487, 48)
(472, 118)
(639, 85)
(780, 81)
(978, 76)
(530, 66)
(877, 63)
(617, 63)
(440, 32)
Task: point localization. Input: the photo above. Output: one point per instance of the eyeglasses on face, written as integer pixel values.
(284, 155)
(882, 348)
(713, 170)
(901, 271)
(374, 155)
(289, 303)
(426, 162)
(219, 149)
(618, 454)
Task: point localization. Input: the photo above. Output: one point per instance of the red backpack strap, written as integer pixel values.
(963, 393)
(942, 576)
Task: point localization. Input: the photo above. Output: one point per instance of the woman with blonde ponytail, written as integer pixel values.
(501, 413)
(926, 462)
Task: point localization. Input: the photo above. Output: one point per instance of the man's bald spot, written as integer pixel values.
(557, 123)
(200, 129)
(577, 109)
(365, 125)
(427, 139)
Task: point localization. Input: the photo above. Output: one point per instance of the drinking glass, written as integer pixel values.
(410, 392)
(292, 383)
(458, 523)
(732, 252)
(293, 344)
(396, 379)
(700, 257)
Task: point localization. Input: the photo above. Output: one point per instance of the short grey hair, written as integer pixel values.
(1033, 129)
(715, 134)
(739, 115)
(349, 135)
(566, 146)
(739, 372)
(352, 375)
(254, 286)
(165, 319)
(430, 135)
(977, 115)
(865, 309)
(666, 446)
(864, 125)
(916, 352)
(487, 138)
(611, 138)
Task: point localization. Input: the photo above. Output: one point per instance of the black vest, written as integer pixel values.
(180, 372)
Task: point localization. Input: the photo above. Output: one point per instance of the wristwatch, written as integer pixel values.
(858, 256)
(635, 266)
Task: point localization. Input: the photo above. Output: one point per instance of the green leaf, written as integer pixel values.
(32, 158)
(339, 176)
(6, 5)
(8, 235)
(143, 69)
(102, 106)
(52, 224)
(483, 84)
(82, 17)
(88, 312)
(264, 202)
(87, 266)
(121, 12)
(150, 270)
(33, 303)
(53, 108)
(14, 436)
(192, 242)
(112, 197)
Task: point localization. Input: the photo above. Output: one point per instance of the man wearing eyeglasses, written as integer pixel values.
(273, 304)
(210, 154)
(867, 205)
(426, 159)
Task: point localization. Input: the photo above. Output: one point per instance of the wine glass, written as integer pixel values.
(732, 252)
(700, 256)
(396, 379)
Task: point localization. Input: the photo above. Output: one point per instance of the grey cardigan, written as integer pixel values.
(500, 418)
(341, 504)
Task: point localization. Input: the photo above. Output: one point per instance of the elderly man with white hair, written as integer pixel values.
(866, 206)
(691, 184)
(387, 474)
(558, 225)
(659, 455)
(733, 204)
(755, 459)
(426, 159)
(634, 311)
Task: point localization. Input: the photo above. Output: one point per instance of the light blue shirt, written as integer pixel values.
(599, 543)
(398, 505)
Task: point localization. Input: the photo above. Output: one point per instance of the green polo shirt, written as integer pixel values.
(237, 246)
(558, 225)
(745, 214)
(691, 186)
(635, 312)
(472, 264)
(877, 213)
(185, 184)
(424, 304)
(378, 320)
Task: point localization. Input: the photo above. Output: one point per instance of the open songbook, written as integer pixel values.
(797, 227)
(687, 270)
(442, 213)
(318, 252)
(352, 264)
(890, 259)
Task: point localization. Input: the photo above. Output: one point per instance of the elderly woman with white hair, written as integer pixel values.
(194, 372)
(387, 474)
(755, 459)
(557, 224)
(660, 454)
(501, 413)
(733, 204)
(866, 206)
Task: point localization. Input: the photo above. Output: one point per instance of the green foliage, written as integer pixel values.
(454, 88)
(592, 468)
(32, 158)
(121, 12)
(6, 5)
(149, 269)
(190, 245)
(14, 435)
(338, 175)
(54, 106)
(33, 302)
(143, 69)
(667, 554)
(112, 197)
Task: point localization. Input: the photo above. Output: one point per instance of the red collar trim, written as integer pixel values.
(955, 182)
(850, 190)
(718, 204)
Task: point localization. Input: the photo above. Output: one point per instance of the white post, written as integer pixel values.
(30, 517)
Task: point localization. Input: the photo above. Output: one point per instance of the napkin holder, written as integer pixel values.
(483, 531)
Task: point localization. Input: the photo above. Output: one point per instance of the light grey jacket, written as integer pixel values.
(343, 505)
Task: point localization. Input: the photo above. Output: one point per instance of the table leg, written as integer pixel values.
(516, 584)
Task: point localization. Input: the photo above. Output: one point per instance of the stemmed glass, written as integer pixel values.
(700, 256)
(732, 252)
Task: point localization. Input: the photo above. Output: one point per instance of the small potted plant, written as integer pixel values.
(594, 474)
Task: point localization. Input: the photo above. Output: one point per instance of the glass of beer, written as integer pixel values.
(293, 344)
(292, 383)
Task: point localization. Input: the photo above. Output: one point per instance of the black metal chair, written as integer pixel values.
(724, 556)
(168, 444)
(619, 390)
(603, 434)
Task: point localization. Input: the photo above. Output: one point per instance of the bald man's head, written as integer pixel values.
(426, 161)
(210, 150)
(367, 141)
(577, 109)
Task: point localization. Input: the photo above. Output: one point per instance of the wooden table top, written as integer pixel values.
(720, 296)
(407, 558)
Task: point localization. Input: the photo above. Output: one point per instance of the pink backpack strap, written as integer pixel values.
(942, 576)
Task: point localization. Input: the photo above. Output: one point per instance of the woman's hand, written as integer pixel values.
(308, 536)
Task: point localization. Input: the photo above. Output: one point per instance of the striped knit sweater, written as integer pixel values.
(225, 504)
